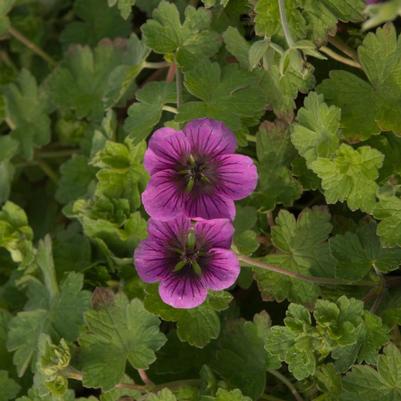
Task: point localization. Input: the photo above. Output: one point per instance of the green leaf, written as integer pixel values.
(119, 332)
(364, 383)
(72, 250)
(237, 46)
(277, 184)
(147, 112)
(111, 224)
(379, 55)
(87, 81)
(302, 248)
(9, 388)
(306, 18)
(26, 108)
(125, 6)
(388, 210)
(98, 21)
(234, 395)
(76, 176)
(196, 326)
(244, 236)
(15, 234)
(316, 133)
(8, 149)
(166, 34)
(241, 359)
(357, 253)
(341, 328)
(231, 95)
(121, 175)
(50, 310)
(5, 7)
(350, 176)
(163, 395)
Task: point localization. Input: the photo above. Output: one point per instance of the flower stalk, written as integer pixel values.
(309, 279)
(32, 46)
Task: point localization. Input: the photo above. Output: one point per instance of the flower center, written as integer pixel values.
(189, 256)
(197, 174)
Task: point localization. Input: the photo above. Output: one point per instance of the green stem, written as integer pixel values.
(340, 45)
(310, 279)
(339, 57)
(284, 24)
(170, 109)
(47, 170)
(178, 82)
(287, 383)
(72, 373)
(156, 66)
(32, 46)
(250, 138)
(10, 124)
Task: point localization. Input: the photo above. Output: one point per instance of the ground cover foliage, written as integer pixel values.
(312, 91)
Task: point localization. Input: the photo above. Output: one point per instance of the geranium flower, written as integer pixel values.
(195, 173)
(187, 258)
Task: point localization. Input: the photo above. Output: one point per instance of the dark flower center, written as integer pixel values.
(190, 258)
(197, 173)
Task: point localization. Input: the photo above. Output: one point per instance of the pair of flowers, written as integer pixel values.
(195, 178)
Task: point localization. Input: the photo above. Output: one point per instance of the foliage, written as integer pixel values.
(312, 92)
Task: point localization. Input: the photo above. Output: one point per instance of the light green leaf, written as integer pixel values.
(307, 19)
(165, 33)
(234, 395)
(316, 133)
(302, 248)
(120, 332)
(125, 6)
(15, 234)
(388, 210)
(8, 148)
(350, 176)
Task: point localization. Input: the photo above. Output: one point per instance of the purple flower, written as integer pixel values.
(187, 258)
(195, 173)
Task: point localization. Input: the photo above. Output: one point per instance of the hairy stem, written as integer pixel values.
(170, 109)
(145, 378)
(340, 45)
(47, 170)
(32, 46)
(284, 23)
(285, 381)
(156, 66)
(178, 82)
(339, 57)
(310, 279)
